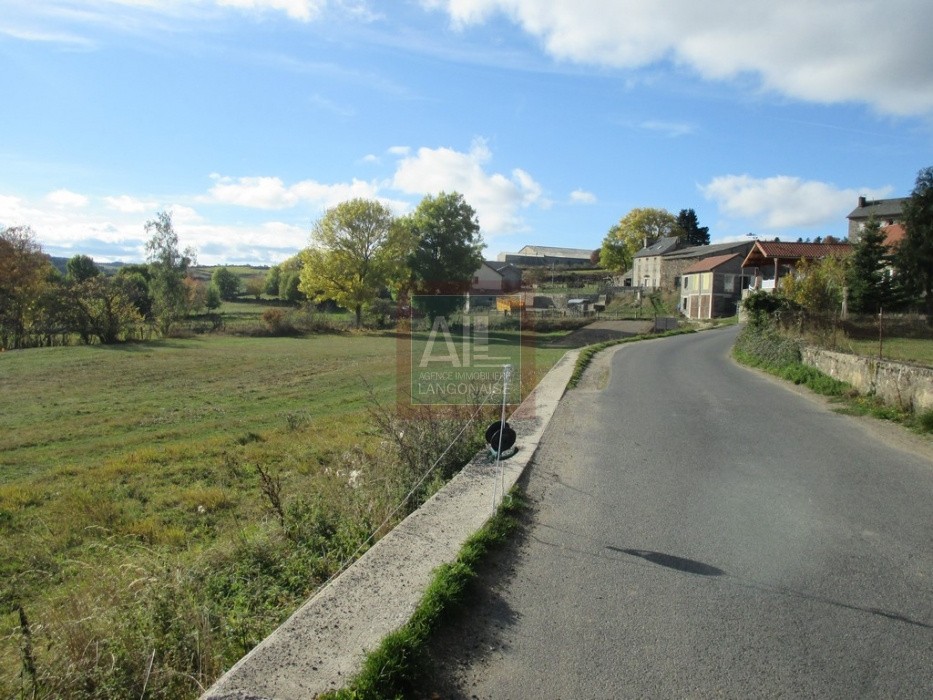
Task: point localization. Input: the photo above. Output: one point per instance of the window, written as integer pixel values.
(686, 282)
(728, 283)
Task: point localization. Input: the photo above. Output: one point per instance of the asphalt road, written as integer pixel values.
(699, 530)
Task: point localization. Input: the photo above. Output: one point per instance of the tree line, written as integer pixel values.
(360, 253)
(40, 306)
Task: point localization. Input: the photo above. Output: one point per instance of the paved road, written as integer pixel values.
(699, 530)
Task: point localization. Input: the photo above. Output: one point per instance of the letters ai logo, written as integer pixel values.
(460, 360)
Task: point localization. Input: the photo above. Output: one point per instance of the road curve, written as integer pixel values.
(699, 530)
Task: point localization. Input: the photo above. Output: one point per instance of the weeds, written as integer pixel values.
(763, 346)
(393, 669)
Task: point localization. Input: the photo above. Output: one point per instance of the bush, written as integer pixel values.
(763, 345)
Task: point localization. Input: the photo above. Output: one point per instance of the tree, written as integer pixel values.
(636, 230)
(25, 275)
(103, 308)
(693, 233)
(167, 268)
(255, 286)
(227, 283)
(135, 280)
(80, 268)
(273, 280)
(446, 252)
(914, 258)
(352, 256)
(817, 285)
(869, 286)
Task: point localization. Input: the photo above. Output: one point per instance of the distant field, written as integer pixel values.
(130, 472)
(916, 350)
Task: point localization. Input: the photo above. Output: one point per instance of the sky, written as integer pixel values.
(248, 119)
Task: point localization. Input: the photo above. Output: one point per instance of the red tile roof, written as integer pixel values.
(709, 264)
(770, 250)
(893, 235)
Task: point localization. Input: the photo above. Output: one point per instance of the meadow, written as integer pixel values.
(164, 505)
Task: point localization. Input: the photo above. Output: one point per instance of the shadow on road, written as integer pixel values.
(671, 562)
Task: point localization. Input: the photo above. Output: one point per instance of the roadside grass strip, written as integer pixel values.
(393, 669)
(766, 350)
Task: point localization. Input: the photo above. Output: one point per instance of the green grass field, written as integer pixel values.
(916, 350)
(134, 519)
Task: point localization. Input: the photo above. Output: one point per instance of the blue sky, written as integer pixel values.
(554, 118)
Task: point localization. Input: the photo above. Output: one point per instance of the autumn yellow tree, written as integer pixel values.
(356, 250)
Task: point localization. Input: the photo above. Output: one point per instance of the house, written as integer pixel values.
(768, 261)
(646, 263)
(675, 262)
(494, 277)
(885, 211)
(548, 256)
(711, 287)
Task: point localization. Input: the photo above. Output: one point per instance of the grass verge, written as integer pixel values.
(393, 669)
(765, 348)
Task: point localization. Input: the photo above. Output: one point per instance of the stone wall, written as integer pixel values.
(899, 384)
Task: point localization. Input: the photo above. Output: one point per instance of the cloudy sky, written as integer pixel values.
(247, 119)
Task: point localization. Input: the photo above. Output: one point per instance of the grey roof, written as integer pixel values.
(705, 251)
(880, 209)
(552, 252)
(498, 265)
(659, 247)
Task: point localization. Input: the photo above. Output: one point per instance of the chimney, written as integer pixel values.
(862, 202)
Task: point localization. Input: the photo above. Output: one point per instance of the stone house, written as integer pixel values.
(646, 263)
(674, 263)
(885, 211)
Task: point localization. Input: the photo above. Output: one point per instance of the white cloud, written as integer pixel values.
(495, 197)
(582, 197)
(398, 150)
(273, 193)
(783, 201)
(827, 52)
(129, 205)
(66, 198)
(304, 10)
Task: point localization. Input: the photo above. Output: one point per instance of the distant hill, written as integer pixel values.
(201, 272)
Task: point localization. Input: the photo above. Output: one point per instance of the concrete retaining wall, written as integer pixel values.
(322, 645)
(899, 384)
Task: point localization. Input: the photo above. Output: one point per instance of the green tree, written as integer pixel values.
(135, 280)
(273, 280)
(353, 255)
(693, 233)
(168, 267)
(869, 287)
(80, 268)
(817, 285)
(914, 258)
(25, 275)
(103, 308)
(227, 283)
(290, 286)
(255, 286)
(213, 298)
(446, 252)
(635, 230)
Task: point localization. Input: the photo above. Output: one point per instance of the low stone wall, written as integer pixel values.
(899, 384)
